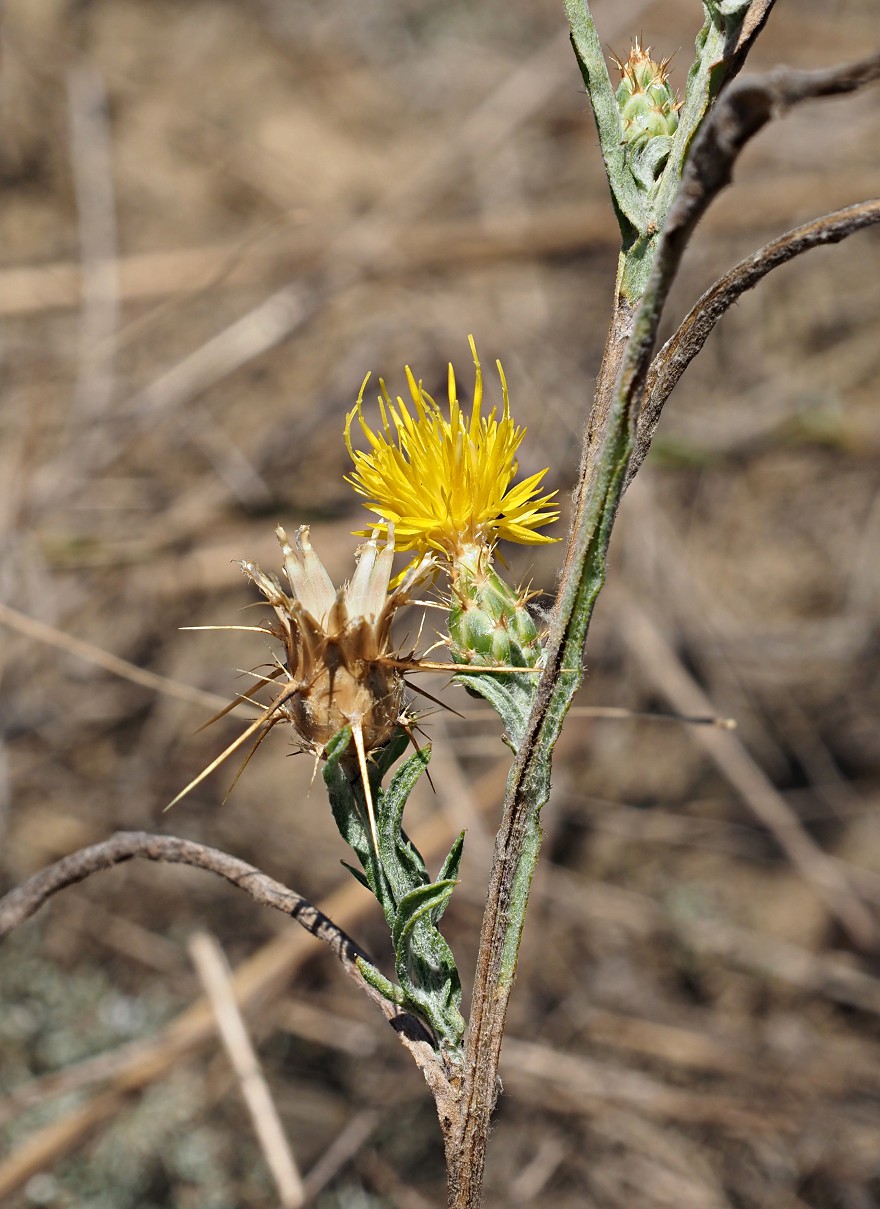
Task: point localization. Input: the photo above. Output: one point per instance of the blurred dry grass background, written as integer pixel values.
(215, 218)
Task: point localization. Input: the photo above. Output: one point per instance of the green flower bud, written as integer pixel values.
(489, 624)
(474, 631)
(647, 102)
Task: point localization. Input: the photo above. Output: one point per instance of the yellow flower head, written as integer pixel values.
(445, 485)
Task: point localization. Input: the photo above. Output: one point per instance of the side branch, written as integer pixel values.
(739, 114)
(20, 904)
(23, 902)
(680, 349)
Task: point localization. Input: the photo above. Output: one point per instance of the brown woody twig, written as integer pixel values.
(20, 904)
(680, 349)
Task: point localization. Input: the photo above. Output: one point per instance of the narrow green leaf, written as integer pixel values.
(449, 871)
(401, 860)
(418, 903)
(357, 875)
(387, 989)
(588, 51)
(511, 697)
(425, 964)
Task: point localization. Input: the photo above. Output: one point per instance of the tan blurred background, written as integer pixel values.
(215, 218)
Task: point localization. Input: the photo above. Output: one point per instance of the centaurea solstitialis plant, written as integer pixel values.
(444, 490)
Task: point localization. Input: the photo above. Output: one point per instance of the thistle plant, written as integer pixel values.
(441, 485)
(444, 490)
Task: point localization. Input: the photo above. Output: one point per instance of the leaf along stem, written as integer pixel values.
(628, 203)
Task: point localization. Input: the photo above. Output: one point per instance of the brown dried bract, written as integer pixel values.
(337, 644)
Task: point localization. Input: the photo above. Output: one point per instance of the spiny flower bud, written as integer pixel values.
(647, 102)
(489, 624)
(339, 669)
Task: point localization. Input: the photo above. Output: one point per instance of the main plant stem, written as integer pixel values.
(647, 268)
(607, 446)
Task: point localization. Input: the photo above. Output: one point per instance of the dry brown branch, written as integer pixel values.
(20, 904)
(677, 353)
(215, 976)
(24, 901)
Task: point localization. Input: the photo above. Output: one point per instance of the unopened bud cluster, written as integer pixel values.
(647, 102)
(489, 624)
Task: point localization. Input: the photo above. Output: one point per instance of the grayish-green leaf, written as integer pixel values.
(425, 965)
(509, 694)
(591, 60)
(377, 980)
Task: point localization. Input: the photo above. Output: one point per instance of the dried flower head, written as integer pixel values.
(337, 644)
(445, 485)
(338, 668)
